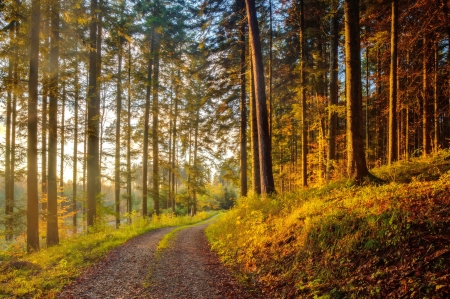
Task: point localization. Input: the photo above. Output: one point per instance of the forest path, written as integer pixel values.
(185, 269)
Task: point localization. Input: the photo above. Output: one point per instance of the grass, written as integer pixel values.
(44, 273)
(346, 241)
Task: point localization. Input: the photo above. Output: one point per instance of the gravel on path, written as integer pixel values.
(187, 269)
(122, 273)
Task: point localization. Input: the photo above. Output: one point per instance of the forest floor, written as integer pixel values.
(164, 263)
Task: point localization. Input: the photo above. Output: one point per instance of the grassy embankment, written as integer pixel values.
(346, 241)
(44, 273)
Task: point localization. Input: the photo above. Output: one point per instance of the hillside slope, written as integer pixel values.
(345, 241)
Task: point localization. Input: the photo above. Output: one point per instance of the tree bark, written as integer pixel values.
(426, 123)
(117, 149)
(146, 123)
(243, 104)
(356, 160)
(8, 200)
(334, 89)
(155, 129)
(92, 159)
(256, 179)
(266, 174)
(75, 146)
(52, 214)
(303, 96)
(32, 173)
(392, 143)
(129, 199)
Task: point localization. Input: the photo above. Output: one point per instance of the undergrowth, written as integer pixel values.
(345, 241)
(44, 273)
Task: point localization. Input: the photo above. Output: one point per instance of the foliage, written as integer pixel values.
(342, 240)
(43, 274)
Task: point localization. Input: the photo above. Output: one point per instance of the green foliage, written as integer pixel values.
(43, 274)
(325, 242)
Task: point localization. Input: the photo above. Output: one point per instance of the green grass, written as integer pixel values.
(44, 273)
(343, 240)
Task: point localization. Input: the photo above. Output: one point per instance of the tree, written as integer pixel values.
(243, 103)
(267, 182)
(303, 96)
(392, 140)
(356, 160)
(32, 174)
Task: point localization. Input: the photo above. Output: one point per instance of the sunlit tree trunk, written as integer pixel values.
(32, 173)
(256, 179)
(303, 96)
(75, 146)
(155, 129)
(92, 158)
(63, 139)
(426, 122)
(356, 160)
(243, 103)
(334, 89)
(117, 149)
(129, 199)
(392, 139)
(267, 182)
(52, 214)
(146, 124)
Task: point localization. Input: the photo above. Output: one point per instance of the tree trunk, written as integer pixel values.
(32, 173)
(117, 152)
(155, 129)
(8, 200)
(52, 214)
(356, 160)
(63, 140)
(243, 104)
(334, 89)
(426, 123)
(92, 158)
(129, 199)
(392, 142)
(75, 146)
(256, 179)
(174, 138)
(303, 96)
(99, 143)
(435, 97)
(267, 182)
(146, 123)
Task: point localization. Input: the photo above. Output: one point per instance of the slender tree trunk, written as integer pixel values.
(92, 159)
(426, 102)
(392, 142)
(243, 104)
(435, 97)
(195, 166)
(146, 124)
(52, 214)
(32, 173)
(303, 96)
(63, 140)
(75, 146)
(129, 200)
(86, 136)
(334, 89)
(155, 129)
(267, 182)
(256, 179)
(174, 138)
(99, 143)
(117, 153)
(8, 200)
(270, 72)
(356, 160)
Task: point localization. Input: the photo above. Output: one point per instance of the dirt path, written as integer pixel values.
(186, 269)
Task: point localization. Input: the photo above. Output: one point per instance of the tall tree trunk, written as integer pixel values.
(195, 166)
(63, 139)
(435, 97)
(129, 199)
(174, 138)
(334, 88)
(86, 136)
(270, 71)
(92, 159)
(266, 174)
(426, 123)
(256, 179)
(392, 142)
(99, 143)
(155, 129)
(243, 103)
(32, 173)
(117, 153)
(356, 160)
(75, 146)
(146, 123)
(52, 214)
(303, 96)
(8, 200)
